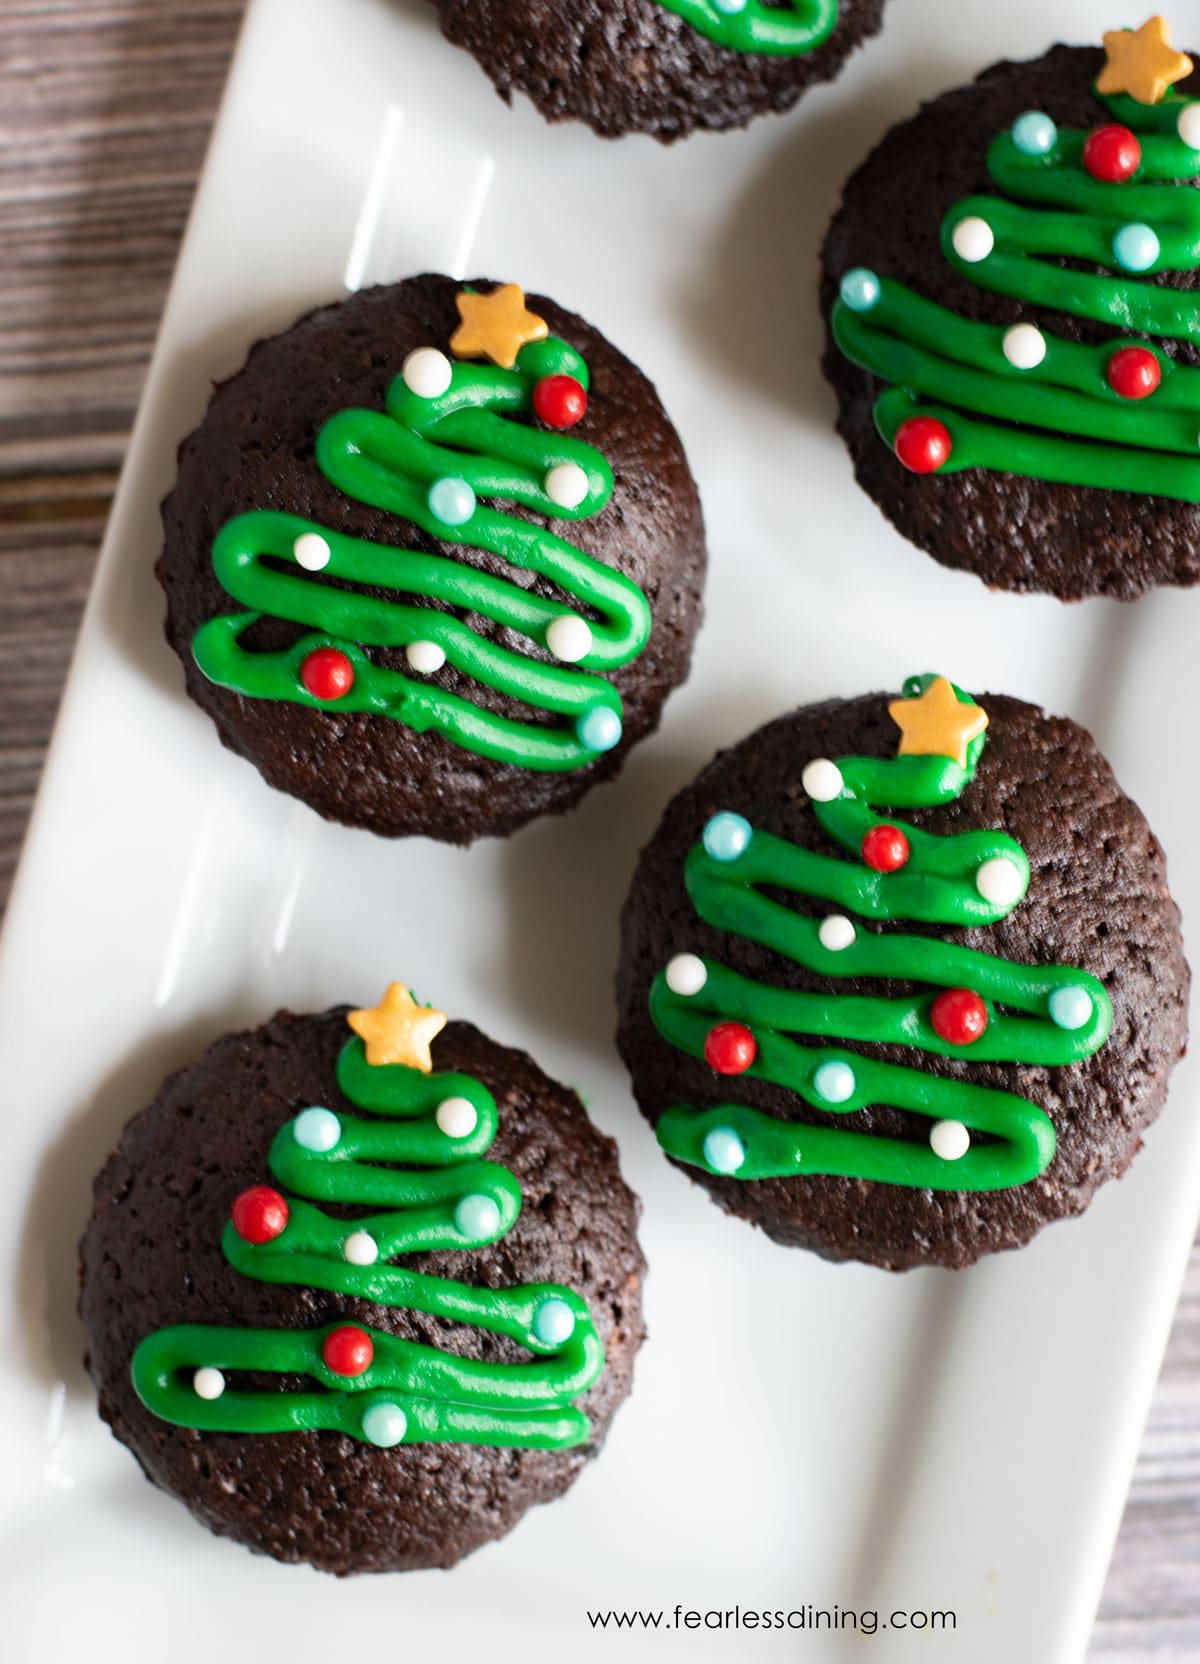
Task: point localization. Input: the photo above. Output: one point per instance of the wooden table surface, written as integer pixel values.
(105, 110)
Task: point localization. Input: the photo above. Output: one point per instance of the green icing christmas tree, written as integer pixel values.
(970, 1005)
(455, 438)
(418, 1166)
(1122, 414)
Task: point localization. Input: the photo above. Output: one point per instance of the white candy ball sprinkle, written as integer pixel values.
(999, 881)
(1024, 346)
(554, 1322)
(311, 551)
(566, 484)
(457, 1117)
(427, 373)
(208, 1382)
(835, 1082)
(723, 1150)
(973, 239)
(836, 933)
(686, 974)
(949, 1139)
(317, 1130)
(1188, 125)
(822, 780)
(360, 1248)
(1071, 1007)
(384, 1425)
(569, 638)
(425, 656)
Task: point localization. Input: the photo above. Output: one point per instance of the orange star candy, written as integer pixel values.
(1142, 62)
(398, 1030)
(495, 326)
(937, 724)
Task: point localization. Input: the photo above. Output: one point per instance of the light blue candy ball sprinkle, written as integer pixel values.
(1034, 133)
(730, 7)
(316, 1129)
(1071, 1008)
(477, 1217)
(599, 729)
(554, 1322)
(723, 1150)
(727, 835)
(834, 1082)
(384, 1425)
(452, 501)
(860, 289)
(1136, 247)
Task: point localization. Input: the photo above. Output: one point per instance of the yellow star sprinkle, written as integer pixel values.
(1142, 62)
(495, 326)
(398, 1030)
(937, 724)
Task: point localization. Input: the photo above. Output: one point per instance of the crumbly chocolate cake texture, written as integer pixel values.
(637, 66)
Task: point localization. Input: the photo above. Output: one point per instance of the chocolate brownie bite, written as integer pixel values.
(663, 67)
(1010, 286)
(362, 1298)
(901, 980)
(434, 559)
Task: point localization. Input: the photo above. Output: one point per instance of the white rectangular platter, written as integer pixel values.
(800, 1434)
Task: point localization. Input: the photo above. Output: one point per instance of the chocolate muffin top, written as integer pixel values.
(452, 709)
(1096, 907)
(638, 66)
(899, 221)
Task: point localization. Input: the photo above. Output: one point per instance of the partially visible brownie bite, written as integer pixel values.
(663, 67)
(1010, 285)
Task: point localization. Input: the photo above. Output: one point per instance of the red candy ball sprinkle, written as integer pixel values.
(1112, 153)
(923, 444)
(885, 848)
(1133, 372)
(730, 1048)
(959, 1016)
(327, 673)
(259, 1215)
(348, 1351)
(559, 401)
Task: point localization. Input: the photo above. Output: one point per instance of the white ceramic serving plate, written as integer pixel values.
(800, 1434)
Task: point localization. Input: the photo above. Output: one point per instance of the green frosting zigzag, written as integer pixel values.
(1073, 427)
(937, 885)
(442, 1397)
(390, 461)
(780, 31)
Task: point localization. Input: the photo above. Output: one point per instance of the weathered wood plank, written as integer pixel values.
(105, 110)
